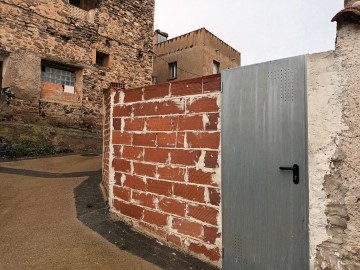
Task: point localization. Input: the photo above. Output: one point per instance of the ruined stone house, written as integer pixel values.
(57, 56)
(195, 54)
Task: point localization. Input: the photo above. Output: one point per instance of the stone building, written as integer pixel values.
(195, 54)
(56, 57)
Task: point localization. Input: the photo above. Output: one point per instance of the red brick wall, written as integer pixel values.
(55, 92)
(164, 163)
(106, 139)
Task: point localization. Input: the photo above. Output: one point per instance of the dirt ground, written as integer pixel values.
(38, 224)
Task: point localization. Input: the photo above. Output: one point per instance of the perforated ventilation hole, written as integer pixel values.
(284, 79)
(237, 247)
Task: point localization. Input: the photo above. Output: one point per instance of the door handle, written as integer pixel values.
(295, 169)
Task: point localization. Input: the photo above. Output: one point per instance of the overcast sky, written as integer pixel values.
(261, 30)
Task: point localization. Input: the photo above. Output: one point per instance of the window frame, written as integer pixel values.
(102, 59)
(216, 67)
(77, 73)
(173, 70)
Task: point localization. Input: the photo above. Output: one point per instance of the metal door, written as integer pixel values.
(265, 208)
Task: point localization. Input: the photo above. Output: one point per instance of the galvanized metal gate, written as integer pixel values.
(264, 166)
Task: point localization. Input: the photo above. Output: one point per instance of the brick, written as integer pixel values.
(211, 234)
(215, 196)
(204, 213)
(203, 140)
(118, 178)
(145, 109)
(171, 173)
(187, 87)
(185, 157)
(159, 187)
(144, 169)
(121, 165)
(204, 104)
(129, 210)
(212, 124)
(51, 87)
(211, 159)
(121, 137)
(156, 155)
(122, 193)
(153, 229)
(166, 139)
(174, 239)
(212, 83)
(117, 97)
(117, 124)
(160, 124)
(156, 91)
(175, 106)
(134, 153)
(117, 151)
(144, 199)
(212, 254)
(187, 227)
(194, 122)
(144, 139)
(155, 218)
(134, 182)
(136, 124)
(200, 177)
(190, 192)
(180, 140)
(133, 95)
(122, 111)
(172, 206)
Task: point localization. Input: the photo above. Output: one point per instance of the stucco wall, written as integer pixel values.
(334, 160)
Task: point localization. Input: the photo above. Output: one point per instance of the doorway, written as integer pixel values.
(264, 166)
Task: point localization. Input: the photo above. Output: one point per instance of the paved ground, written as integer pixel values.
(38, 224)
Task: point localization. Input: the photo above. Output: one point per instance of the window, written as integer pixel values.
(84, 4)
(216, 67)
(172, 70)
(102, 59)
(154, 79)
(75, 2)
(57, 74)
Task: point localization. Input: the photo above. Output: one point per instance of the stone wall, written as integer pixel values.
(163, 163)
(34, 33)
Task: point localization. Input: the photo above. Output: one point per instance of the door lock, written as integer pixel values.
(295, 169)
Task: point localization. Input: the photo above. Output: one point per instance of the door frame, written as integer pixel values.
(306, 169)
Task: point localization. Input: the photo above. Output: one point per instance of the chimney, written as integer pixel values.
(349, 3)
(160, 36)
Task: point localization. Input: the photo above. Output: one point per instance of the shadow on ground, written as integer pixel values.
(46, 175)
(94, 213)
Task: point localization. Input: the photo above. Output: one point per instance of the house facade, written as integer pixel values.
(195, 54)
(56, 57)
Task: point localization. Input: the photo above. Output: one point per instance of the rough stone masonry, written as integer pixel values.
(57, 56)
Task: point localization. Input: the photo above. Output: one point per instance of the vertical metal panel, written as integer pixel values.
(264, 127)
